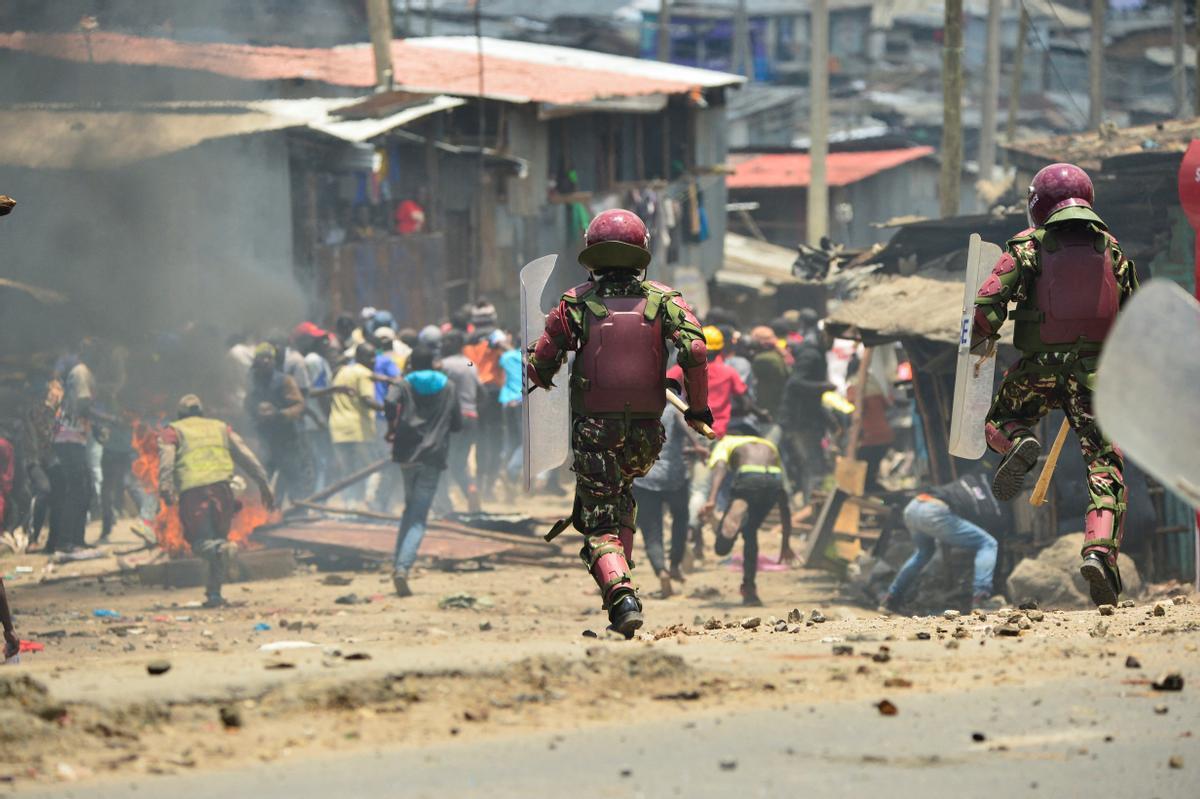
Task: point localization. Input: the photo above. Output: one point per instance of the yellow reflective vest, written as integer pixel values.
(202, 457)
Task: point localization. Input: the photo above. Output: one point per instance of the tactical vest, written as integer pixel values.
(1074, 300)
(202, 457)
(620, 368)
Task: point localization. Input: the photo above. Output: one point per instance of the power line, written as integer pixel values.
(1050, 60)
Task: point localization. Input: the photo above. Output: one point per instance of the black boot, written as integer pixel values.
(1103, 584)
(1010, 476)
(625, 614)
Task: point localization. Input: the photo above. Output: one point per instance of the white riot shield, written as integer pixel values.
(973, 379)
(546, 415)
(1147, 396)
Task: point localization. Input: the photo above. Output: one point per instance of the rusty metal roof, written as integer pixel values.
(518, 72)
(794, 170)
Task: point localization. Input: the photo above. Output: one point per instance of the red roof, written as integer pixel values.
(514, 71)
(793, 170)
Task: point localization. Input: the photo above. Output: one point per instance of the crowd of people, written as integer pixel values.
(319, 405)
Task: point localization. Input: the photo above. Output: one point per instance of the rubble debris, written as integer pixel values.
(705, 592)
(1126, 603)
(590, 634)
(1179, 599)
(1159, 609)
(781, 626)
(886, 708)
(978, 737)
(680, 696)
(843, 650)
(713, 623)
(349, 599)
(817, 616)
(1106, 610)
(1010, 630)
(157, 667)
(1160, 710)
(1132, 663)
(1170, 681)
(231, 717)
(897, 682)
(728, 765)
(485, 626)
(923, 636)
(1100, 630)
(464, 601)
(883, 655)
(1035, 615)
(751, 622)
(1029, 604)
(950, 615)
(336, 579)
(1175, 761)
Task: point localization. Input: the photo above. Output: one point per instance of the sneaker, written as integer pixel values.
(214, 602)
(625, 615)
(723, 546)
(1010, 475)
(1102, 582)
(400, 583)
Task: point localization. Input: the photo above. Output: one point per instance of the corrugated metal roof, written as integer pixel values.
(793, 170)
(70, 137)
(512, 71)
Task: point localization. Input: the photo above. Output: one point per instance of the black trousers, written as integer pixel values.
(754, 496)
(650, 506)
(70, 497)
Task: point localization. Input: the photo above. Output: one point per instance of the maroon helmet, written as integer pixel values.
(616, 239)
(1056, 187)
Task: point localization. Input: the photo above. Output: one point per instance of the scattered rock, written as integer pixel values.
(882, 656)
(590, 634)
(626, 773)
(680, 696)
(817, 617)
(1024, 624)
(795, 616)
(1132, 663)
(1170, 681)
(781, 627)
(358, 656)
(1029, 604)
(1159, 609)
(886, 708)
(231, 717)
(463, 601)
(1010, 630)
(1053, 579)
(1125, 603)
(713, 624)
(728, 765)
(156, 667)
(348, 599)
(897, 682)
(280, 664)
(751, 622)
(1099, 631)
(1179, 600)
(978, 737)
(1160, 710)
(485, 626)
(843, 649)
(950, 614)
(923, 636)
(952, 644)
(1035, 615)
(1106, 610)
(336, 579)
(1175, 761)
(706, 592)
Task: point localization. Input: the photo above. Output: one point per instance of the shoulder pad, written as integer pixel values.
(1028, 234)
(654, 285)
(576, 294)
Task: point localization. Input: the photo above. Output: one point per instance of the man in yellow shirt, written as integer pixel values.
(352, 416)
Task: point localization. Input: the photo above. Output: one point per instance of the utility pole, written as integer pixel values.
(818, 186)
(664, 30)
(1178, 36)
(1014, 89)
(743, 57)
(379, 18)
(991, 94)
(952, 134)
(1096, 65)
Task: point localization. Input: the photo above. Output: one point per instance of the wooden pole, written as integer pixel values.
(1014, 89)
(1178, 37)
(860, 403)
(952, 144)
(379, 18)
(991, 94)
(664, 31)
(1096, 65)
(817, 223)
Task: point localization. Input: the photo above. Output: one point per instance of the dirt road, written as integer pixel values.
(516, 681)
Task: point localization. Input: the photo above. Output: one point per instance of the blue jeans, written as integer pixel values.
(932, 522)
(420, 487)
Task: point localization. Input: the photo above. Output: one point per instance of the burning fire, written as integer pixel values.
(167, 527)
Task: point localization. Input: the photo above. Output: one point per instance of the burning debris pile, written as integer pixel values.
(168, 529)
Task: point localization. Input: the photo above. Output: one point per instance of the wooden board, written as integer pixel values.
(851, 477)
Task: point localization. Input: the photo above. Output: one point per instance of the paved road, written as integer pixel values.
(1040, 741)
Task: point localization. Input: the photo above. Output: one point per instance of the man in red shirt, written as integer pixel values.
(724, 384)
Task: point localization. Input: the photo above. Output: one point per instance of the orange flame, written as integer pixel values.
(167, 527)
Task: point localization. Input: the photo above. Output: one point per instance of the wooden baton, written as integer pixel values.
(1043, 484)
(682, 407)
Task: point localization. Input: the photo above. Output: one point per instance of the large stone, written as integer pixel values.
(1052, 579)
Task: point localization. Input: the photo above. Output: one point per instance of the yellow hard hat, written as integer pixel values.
(714, 339)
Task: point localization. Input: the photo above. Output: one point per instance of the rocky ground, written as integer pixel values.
(289, 674)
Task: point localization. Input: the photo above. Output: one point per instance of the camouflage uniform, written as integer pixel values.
(612, 450)
(1053, 376)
